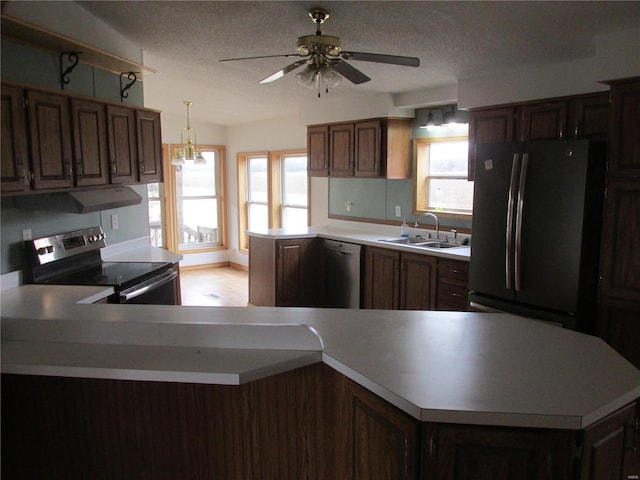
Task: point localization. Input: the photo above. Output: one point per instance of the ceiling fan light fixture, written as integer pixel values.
(330, 77)
(307, 77)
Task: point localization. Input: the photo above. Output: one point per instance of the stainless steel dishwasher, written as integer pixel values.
(342, 274)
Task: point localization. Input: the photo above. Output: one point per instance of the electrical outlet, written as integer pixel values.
(398, 211)
(114, 222)
(26, 234)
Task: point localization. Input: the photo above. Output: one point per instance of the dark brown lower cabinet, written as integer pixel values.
(285, 272)
(310, 423)
(457, 452)
(396, 280)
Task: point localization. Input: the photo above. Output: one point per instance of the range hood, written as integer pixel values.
(83, 201)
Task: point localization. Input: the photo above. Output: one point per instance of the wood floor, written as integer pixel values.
(225, 286)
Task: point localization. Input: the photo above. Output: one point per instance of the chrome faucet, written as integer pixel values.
(429, 214)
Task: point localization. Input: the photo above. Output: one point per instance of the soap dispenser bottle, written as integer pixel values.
(404, 228)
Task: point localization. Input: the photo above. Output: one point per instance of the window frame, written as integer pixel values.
(421, 177)
(275, 161)
(173, 242)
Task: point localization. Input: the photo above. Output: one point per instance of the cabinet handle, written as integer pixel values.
(453, 294)
(561, 130)
(636, 434)
(454, 270)
(432, 446)
(114, 168)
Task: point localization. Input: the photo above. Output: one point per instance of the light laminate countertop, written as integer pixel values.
(462, 253)
(459, 367)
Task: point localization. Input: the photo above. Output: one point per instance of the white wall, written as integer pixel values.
(285, 133)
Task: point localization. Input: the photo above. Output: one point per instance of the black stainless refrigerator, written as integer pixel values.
(537, 214)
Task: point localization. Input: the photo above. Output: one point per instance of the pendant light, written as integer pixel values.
(188, 149)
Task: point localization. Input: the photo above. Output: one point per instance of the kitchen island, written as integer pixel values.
(406, 378)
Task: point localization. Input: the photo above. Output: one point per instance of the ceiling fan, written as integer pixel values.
(325, 59)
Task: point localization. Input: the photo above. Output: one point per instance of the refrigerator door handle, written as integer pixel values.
(509, 230)
(519, 213)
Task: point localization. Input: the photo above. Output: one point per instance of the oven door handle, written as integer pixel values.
(148, 285)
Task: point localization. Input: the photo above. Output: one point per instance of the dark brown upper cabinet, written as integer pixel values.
(149, 146)
(51, 143)
(376, 148)
(15, 160)
(90, 142)
(121, 130)
(580, 116)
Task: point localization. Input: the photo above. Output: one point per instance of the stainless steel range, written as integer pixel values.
(74, 258)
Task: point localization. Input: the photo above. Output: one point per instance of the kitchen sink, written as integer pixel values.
(406, 240)
(420, 242)
(440, 245)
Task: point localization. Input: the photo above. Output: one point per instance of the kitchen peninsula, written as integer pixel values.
(299, 392)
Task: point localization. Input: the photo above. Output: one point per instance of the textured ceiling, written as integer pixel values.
(184, 41)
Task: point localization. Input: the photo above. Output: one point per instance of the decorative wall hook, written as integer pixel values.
(132, 77)
(72, 57)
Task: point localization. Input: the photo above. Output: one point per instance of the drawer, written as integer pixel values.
(452, 297)
(454, 270)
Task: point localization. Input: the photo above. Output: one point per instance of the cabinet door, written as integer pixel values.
(619, 326)
(381, 278)
(121, 129)
(367, 149)
(589, 117)
(417, 282)
(90, 142)
(381, 441)
(620, 261)
(296, 272)
(51, 144)
(543, 121)
(318, 150)
(149, 146)
(341, 150)
(624, 158)
(15, 160)
(604, 446)
(461, 452)
(494, 125)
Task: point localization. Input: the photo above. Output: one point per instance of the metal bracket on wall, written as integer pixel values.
(73, 59)
(132, 77)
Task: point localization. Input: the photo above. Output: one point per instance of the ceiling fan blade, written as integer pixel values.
(349, 72)
(381, 58)
(263, 56)
(281, 73)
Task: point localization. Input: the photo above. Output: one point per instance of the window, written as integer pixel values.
(257, 193)
(157, 206)
(272, 191)
(155, 196)
(441, 176)
(197, 202)
(294, 191)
